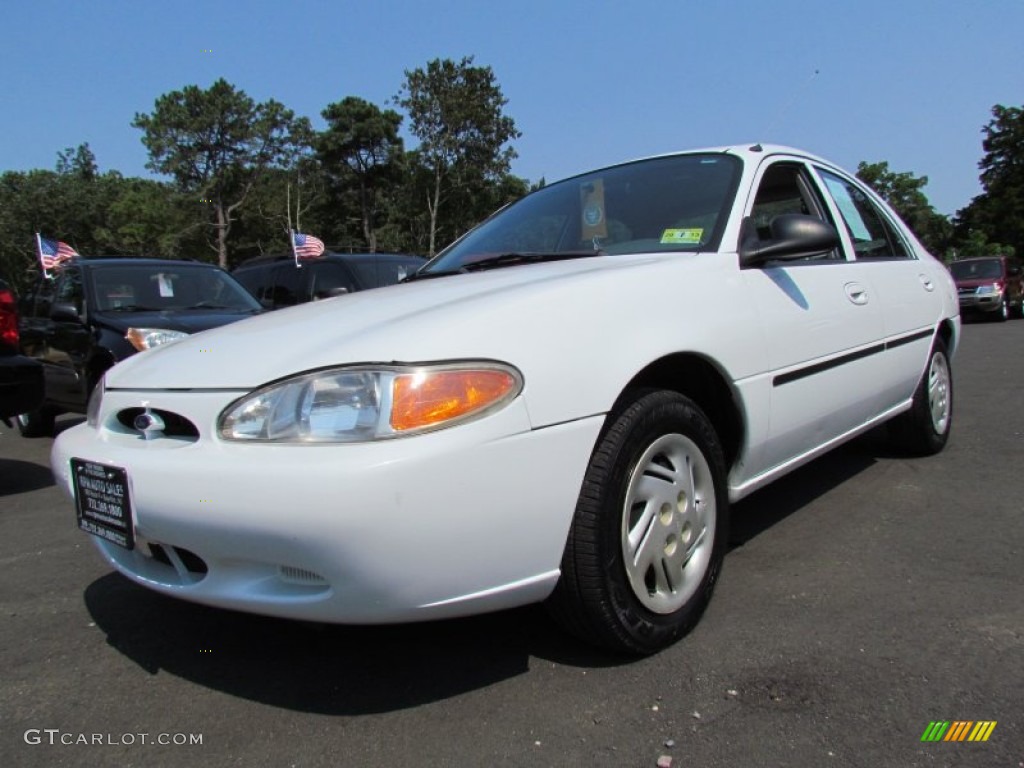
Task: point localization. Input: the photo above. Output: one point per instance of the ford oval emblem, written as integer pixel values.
(149, 424)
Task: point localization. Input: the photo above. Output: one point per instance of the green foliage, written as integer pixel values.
(361, 148)
(997, 215)
(456, 111)
(242, 173)
(903, 191)
(976, 243)
(217, 143)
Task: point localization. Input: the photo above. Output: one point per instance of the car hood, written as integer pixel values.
(488, 315)
(187, 321)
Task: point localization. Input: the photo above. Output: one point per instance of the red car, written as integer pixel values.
(993, 285)
(21, 379)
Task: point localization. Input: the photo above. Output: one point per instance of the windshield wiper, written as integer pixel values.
(213, 305)
(529, 257)
(432, 274)
(504, 260)
(133, 308)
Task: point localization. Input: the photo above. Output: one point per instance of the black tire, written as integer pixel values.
(656, 479)
(924, 429)
(1003, 314)
(36, 423)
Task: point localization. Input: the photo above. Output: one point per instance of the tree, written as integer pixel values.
(361, 145)
(903, 191)
(79, 161)
(998, 212)
(216, 144)
(151, 218)
(456, 112)
(69, 204)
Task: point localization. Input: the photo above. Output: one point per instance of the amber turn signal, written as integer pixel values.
(431, 398)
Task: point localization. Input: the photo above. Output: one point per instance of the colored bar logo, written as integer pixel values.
(958, 730)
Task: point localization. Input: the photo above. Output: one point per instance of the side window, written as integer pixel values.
(785, 189)
(27, 303)
(329, 279)
(44, 298)
(872, 235)
(69, 289)
(285, 292)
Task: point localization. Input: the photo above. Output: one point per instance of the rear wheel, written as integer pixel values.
(924, 429)
(649, 534)
(36, 423)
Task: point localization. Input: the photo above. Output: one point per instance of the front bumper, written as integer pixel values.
(459, 521)
(972, 301)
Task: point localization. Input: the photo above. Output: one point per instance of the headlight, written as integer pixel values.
(345, 405)
(147, 338)
(92, 410)
(988, 290)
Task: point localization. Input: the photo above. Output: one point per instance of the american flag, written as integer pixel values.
(53, 253)
(306, 246)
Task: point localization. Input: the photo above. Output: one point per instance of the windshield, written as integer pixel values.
(677, 203)
(986, 269)
(158, 287)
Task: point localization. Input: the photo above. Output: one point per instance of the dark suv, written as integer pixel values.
(21, 379)
(96, 312)
(990, 284)
(277, 282)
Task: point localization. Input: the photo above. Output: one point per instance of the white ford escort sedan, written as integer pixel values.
(559, 407)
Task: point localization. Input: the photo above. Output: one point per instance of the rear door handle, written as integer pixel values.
(856, 293)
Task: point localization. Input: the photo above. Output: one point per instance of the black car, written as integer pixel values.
(276, 281)
(21, 378)
(96, 312)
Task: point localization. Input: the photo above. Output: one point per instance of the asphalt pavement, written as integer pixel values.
(866, 596)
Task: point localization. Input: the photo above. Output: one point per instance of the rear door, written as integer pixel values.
(907, 286)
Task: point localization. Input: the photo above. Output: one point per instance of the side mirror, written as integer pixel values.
(793, 236)
(65, 312)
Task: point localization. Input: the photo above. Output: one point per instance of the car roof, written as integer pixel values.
(748, 151)
(120, 261)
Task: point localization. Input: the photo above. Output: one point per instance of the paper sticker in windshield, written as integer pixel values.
(165, 286)
(682, 236)
(593, 222)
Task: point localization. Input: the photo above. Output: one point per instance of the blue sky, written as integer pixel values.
(589, 83)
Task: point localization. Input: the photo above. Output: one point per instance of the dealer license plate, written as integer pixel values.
(102, 502)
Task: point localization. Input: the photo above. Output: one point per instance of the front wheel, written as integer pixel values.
(1003, 314)
(647, 540)
(924, 429)
(36, 423)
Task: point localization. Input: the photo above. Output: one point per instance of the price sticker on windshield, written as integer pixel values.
(682, 236)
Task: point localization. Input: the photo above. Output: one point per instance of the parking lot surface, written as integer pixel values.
(866, 596)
